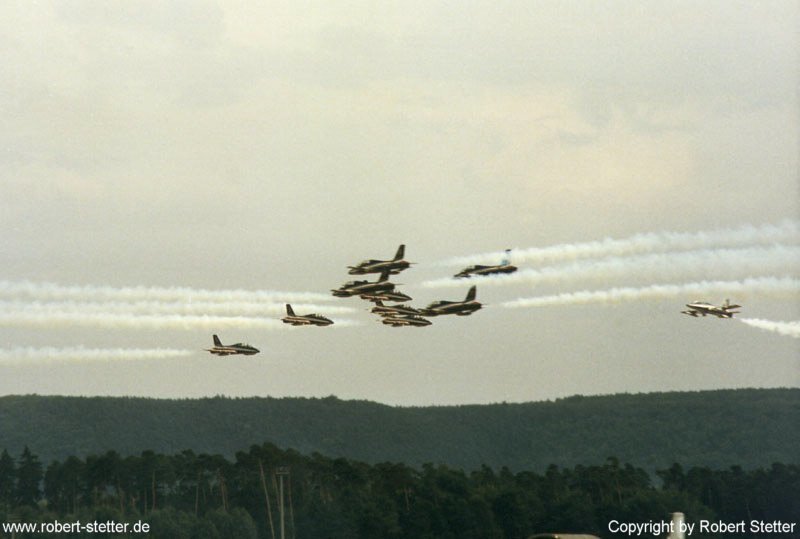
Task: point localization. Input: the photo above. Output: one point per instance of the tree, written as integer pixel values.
(103, 473)
(29, 476)
(236, 523)
(7, 472)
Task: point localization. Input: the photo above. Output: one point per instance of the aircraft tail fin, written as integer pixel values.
(384, 276)
(401, 251)
(472, 293)
(289, 310)
(217, 342)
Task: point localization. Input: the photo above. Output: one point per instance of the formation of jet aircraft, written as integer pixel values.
(400, 315)
(702, 308)
(383, 290)
(504, 267)
(393, 266)
(220, 349)
(460, 308)
(304, 320)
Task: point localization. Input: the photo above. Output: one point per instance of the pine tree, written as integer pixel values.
(29, 477)
(7, 473)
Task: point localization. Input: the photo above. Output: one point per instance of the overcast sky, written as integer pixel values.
(265, 146)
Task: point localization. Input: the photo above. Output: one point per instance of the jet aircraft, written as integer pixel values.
(393, 310)
(228, 350)
(394, 266)
(356, 288)
(460, 308)
(504, 267)
(394, 295)
(304, 320)
(399, 321)
(702, 308)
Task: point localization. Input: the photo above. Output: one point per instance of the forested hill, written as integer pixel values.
(746, 427)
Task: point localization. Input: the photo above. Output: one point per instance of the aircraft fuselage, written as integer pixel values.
(234, 349)
(355, 288)
(389, 267)
(401, 321)
(485, 270)
(392, 310)
(393, 267)
(307, 320)
(386, 296)
(220, 349)
(451, 307)
(702, 308)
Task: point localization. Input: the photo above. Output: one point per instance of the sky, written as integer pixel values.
(176, 169)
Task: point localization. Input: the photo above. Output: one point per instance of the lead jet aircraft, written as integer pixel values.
(460, 308)
(357, 288)
(394, 266)
(232, 349)
(393, 310)
(702, 308)
(400, 321)
(394, 295)
(304, 320)
(504, 267)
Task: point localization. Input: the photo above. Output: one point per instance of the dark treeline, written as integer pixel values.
(749, 427)
(188, 495)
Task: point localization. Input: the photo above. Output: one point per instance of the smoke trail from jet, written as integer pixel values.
(776, 286)
(50, 317)
(239, 308)
(53, 291)
(27, 355)
(792, 329)
(787, 231)
(724, 263)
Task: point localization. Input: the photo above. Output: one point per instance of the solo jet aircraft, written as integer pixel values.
(397, 321)
(504, 267)
(357, 288)
(394, 295)
(394, 266)
(304, 320)
(460, 308)
(701, 308)
(393, 310)
(228, 350)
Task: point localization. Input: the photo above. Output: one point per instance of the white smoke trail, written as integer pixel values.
(239, 308)
(792, 329)
(787, 231)
(47, 317)
(53, 291)
(25, 355)
(780, 286)
(724, 263)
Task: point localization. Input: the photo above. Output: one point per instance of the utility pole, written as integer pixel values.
(266, 497)
(281, 472)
